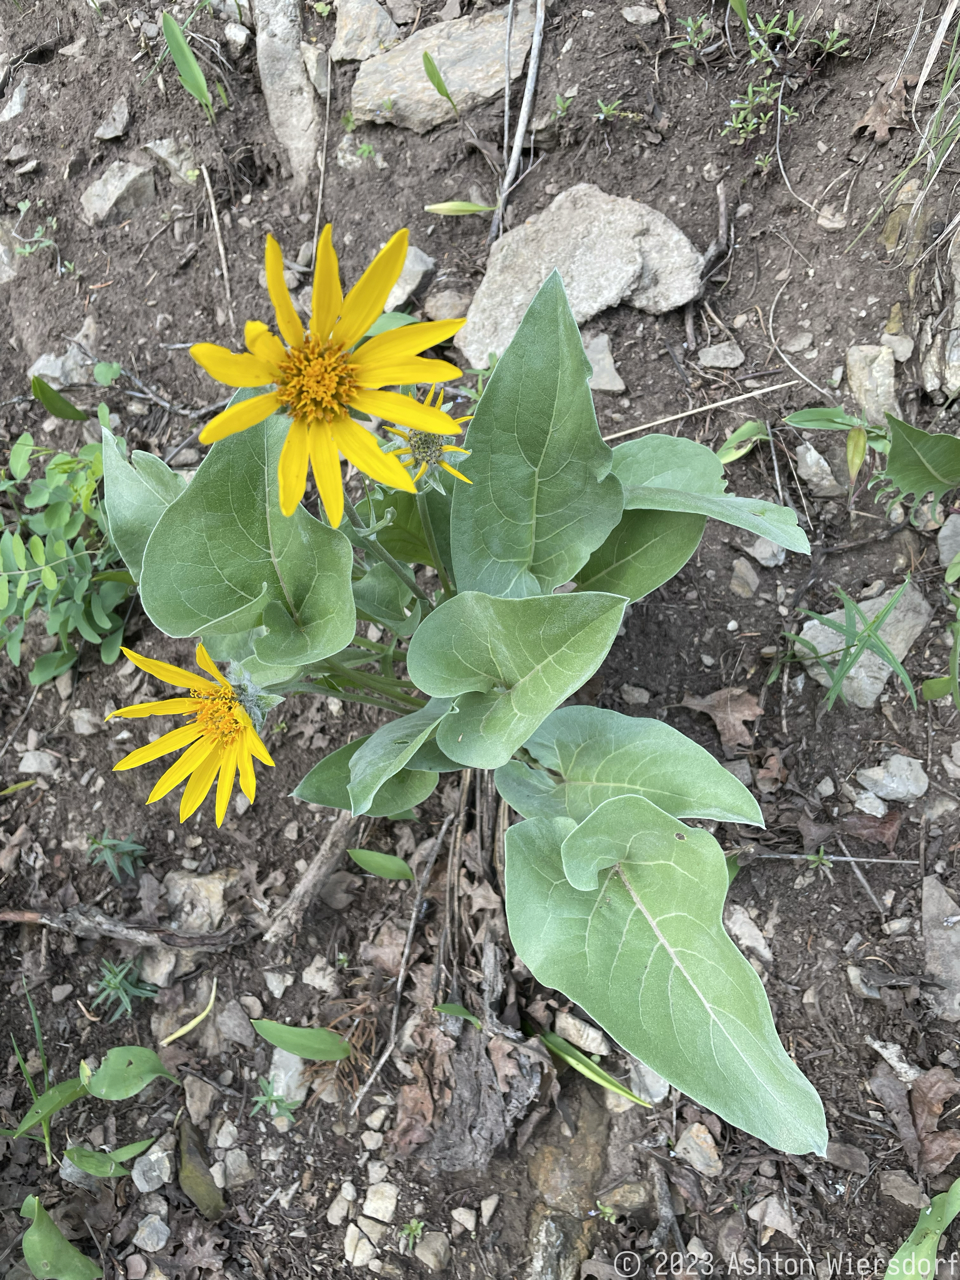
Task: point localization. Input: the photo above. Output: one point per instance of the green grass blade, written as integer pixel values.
(191, 76)
(436, 79)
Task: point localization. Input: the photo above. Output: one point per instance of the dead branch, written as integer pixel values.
(291, 913)
(89, 922)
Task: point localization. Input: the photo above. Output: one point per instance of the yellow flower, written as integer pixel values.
(425, 450)
(320, 375)
(220, 739)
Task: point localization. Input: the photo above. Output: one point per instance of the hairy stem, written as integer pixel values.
(424, 512)
(370, 544)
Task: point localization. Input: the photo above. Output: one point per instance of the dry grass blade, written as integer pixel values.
(933, 52)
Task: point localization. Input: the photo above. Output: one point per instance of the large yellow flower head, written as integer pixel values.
(320, 375)
(220, 738)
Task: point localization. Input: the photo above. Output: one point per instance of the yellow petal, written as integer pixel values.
(175, 740)
(292, 470)
(206, 662)
(167, 672)
(327, 294)
(404, 410)
(255, 743)
(408, 340)
(248, 779)
(401, 373)
(168, 707)
(243, 414)
(365, 301)
(266, 346)
(189, 761)
(198, 784)
(454, 472)
(228, 769)
(234, 370)
(360, 447)
(288, 322)
(325, 460)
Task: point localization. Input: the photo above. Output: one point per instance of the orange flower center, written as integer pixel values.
(220, 717)
(316, 380)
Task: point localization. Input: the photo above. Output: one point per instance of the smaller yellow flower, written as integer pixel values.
(424, 450)
(220, 739)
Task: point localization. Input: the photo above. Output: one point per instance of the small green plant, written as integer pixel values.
(833, 43)
(366, 150)
(41, 1054)
(120, 857)
(348, 121)
(752, 114)
(39, 239)
(608, 110)
(322, 9)
(190, 74)
(437, 80)
(411, 1232)
(696, 33)
(819, 861)
(275, 1103)
(764, 163)
(119, 985)
(605, 1212)
(562, 107)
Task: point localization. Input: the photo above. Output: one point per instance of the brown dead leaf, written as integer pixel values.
(865, 826)
(937, 1146)
(506, 1067)
(770, 1215)
(414, 1114)
(386, 950)
(893, 1094)
(482, 896)
(887, 110)
(814, 834)
(772, 775)
(728, 708)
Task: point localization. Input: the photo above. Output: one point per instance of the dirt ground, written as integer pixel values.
(149, 285)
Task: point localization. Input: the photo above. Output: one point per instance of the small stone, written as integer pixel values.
(291, 831)
(377, 1119)
(647, 1083)
(122, 189)
(898, 1186)
(865, 990)
(286, 1080)
(321, 976)
(415, 267)
(581, 1035)
(631, 1197)
(337, 1210)
(815, 470)
(634, 695)
(115, 125)
(797, 342)
(744, 580)
(238, 1170)
(15, 106)
(380, 1201)
(825, 788)
(447, 304)
(277, 983)
(69, 1172)
(721, 355)
(152, 1234)
(227, 1135)
(135, 1265)
(233, 1024)
(767, 553)
(357, 1249)
(240, 804)
(898, 778)
(867, 802)
(741, 771)
(60, 992)
(153, 1169)
(433, 1250)
(200, 1098)
(948, 539)
(697, 1147)
(38, 762)
(346, 157)
(85, 722)
(377, 1171)
(364, 29)
(291, 101)
(315, 62)
(871, 377)
(467, 1218)
(178, 157)
(348, 1191)
(488, 1207)
(901, 344)
(640, 15)
(372, 1141)
(74, 50)
(604, 376)
(237, 37)
(64, 684)
(745, 932)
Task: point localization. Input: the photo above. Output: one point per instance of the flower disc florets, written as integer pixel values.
(316, 381)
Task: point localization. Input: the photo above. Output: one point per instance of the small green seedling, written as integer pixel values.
(41, 1054)
(740, 442)
(697, 31)
(819, 861)
(436, 79)
(764, 163)
(106, 372)
(366, 150)
(605, 1212)
(275, 1103)
(458, 208)
(191, 76)
(348, 121)
(562, 106)
(322, 9)
(119, 986)
(608, 110)
(834, 43)
(120, 857)
(411, 1232)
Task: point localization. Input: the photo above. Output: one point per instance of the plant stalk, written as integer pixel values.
(424, 513)
(380, 553)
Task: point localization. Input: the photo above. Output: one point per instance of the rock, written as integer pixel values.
(697, 1147)
(200, 1098)
(377, 1171)
(815, 470)
(227, 1135)
(567, 1176)
(85, 722)
(338, 1210)
(557, 1246)
(321, 976)
(941, 954)
(467, 1218)
(115, 125)
(470, 55)
(606, 248)
(640, 15)
(357, 1249)
(634, 696)
(647, 1083)
(123, 188)
(346, 156)
(315, 62)
(900, 344)
(348, 1191)
(290, 97)
(372, 1141)
(233, 1024)
(898, 778)
(251, 1006)
(415, 267)
(580, 1034)
(159, 966)
(237, 37)
(286, 1079)
(797, 342)
(72, 368)
(447, 304)
(744, 580)
(741, 771)
(631, 1197)
(898, 1186)
(948, 539)
(135, 1266)
(377, 1119)
(197, 901)
(870, 374)
(178, 157)
(403, 10)
(16, 104)
(38, 762)
(865, 682)
(237, 1169)
(381, 1201)
(604, 376)
(433, 1250)
(154, 1168)
(767, 553)
(79, 1178)
(364, 29)
(845, 1156)
(488, 1207)
(745, 932)
(152, 1234)
(9, 258)
(722, 355)
(865, 990)
(277, 983)
(60, 992)
(867, 802)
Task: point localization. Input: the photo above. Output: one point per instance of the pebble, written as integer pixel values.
(466, 1218)
(237, 37)
(377, 1119)
(377, 1170)
(227, 1135)
(697, 1147)
(364, 29)
(744, 580)
(745, 932)
(825, 788)
(372, 1141)
(767, 553)
(721, 355)
(15, 106)
(152, 1234)
(59, 993)
(38, 762)
(380, 1201)
(640, 15)
(85, 722)
(200, 1098)
(153, 1169)
(115, 125)
(238, 1170)
(357, 1249)
(581, 1034)
(871, 378)
(897, 778)
(797, 342)
(813, 468)
(251, 1006)
(135, 1266)
(867, 802)
(348, 1191)
(233, 1024)
(433, 1250)
(277, 983)
(415, 266)
(447, 304)
(604, 376)
(866, 990)
(337, 1210)
(488, 1207)
(901, 344)
(69, 1172)
(122, 188)
(948, 539)
(634, 695)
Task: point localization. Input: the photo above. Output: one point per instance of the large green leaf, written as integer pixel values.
(645, 550)
(542, 496)
(223, 558)
(639, 943)
(48, 1104)
(327, 783)
(385, 752)
(47, 1252)
(381, 597)
(124, 1071)
(508, 663)
(662, 473)
(103, 1164)
(585, 755)
(135, 497)
(316, 1044)
(919, 463)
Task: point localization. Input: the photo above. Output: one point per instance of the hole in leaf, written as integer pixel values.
(679, 835)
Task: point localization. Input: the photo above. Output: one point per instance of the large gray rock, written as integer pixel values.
(290, 97)
(606, 248)
(865, 682)
(948, 539)
(121, 189)
(899, 778)
(364, 29)
(871, 375)
(415, 267)
(469, 54)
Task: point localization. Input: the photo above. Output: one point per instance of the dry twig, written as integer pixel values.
(291, 913)
(223, 252)
(88, 922)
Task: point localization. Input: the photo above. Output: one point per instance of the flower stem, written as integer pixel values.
(380, 553)
(424, 512)
(389, 688)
